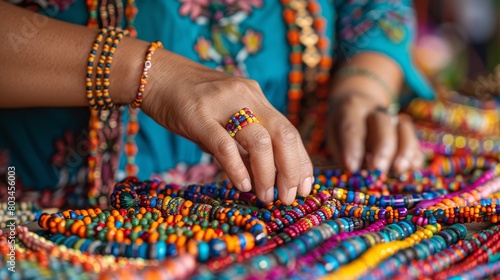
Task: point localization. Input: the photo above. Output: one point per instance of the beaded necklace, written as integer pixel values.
(105, 126)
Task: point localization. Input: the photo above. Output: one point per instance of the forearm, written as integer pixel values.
(44, 62)
(382, 66)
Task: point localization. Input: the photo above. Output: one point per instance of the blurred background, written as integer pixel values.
(457, 40)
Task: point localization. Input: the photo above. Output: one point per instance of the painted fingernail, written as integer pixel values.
(269, 195)
(291, 195)
(306, 187)
(246, 186)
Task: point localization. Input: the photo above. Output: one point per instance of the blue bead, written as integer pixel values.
(217, 247)
(172, 250)
(243, 241)
(203, 251)
(143, 249)
(161, 248)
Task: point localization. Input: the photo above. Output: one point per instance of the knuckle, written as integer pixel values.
(261, 141)
(287, 134)
(224, 148)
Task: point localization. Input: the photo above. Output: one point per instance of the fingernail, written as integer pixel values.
(382, 164)
(246, 186)
(291, 195)
(269, 195)
(352, 164)
(401, 164)
(306, 187)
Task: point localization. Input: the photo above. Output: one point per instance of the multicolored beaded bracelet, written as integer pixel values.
(100, 68)
(109, 59)
(90, 68)
(144, 77)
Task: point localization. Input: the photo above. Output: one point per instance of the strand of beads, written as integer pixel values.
(42, 258)
(288, 253)
(483, 254)
(419, 251)
(373, 256)
(455, 253)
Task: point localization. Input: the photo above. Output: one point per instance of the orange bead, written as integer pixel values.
(61, 226)
(313, 7)
(192, 248)
(172, 238)
(153, 237)
(82, 231)
(296, 58)
(87, 220)
(110, 235)
(295, 94)
(293, 37)
(289, 16)
(296, 77)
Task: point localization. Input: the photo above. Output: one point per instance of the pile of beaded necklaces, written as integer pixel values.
(364, 225)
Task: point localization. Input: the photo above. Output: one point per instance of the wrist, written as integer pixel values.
(126, 73)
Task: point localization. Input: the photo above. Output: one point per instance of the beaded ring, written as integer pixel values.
(239, 120)
(144, 77)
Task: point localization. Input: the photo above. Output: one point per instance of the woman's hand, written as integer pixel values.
(196, 102)
(362, 134)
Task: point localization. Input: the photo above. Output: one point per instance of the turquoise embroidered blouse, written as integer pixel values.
(34, 138)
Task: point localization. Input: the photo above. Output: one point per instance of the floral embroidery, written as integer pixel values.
(364, 18)
(202, 47)
(194, 8)
(49, 7)
(224, 18)
(252, 41)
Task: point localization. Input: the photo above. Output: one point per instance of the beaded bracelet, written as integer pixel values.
(348, 71)
(109, 59)
(147, 65)
(90, 68)
(100, 68)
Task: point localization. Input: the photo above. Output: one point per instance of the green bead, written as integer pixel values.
(95, 219)
(102, 235)
(134, 235)
(101, 216)
(204, 224)
(69, 222)
(162, 237)
(148, 215)
(215, 224)
(162, 227)
(127, 225)
(193, 217)
(155, 216)
(225, 228)
(170, 230)
(185, 219)
(189, 234)
(144, 222)
(135, 222)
